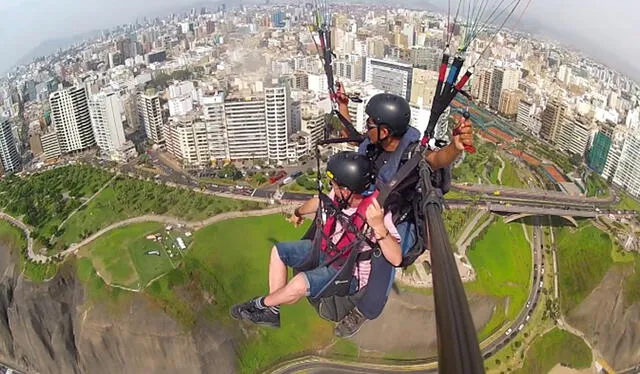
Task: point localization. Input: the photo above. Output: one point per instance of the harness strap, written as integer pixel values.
(352, 235)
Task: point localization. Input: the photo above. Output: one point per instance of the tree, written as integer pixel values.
(576, 160)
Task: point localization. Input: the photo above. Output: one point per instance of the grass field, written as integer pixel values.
(135, 260)
(127, 198)
(510, 175)
(231, 262)
(555, 347)
(628, 203)
(97, 290)
(502, 260)
(584, 256)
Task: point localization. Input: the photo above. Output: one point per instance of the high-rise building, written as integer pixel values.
(106, 119)
(71, 119)
(501, 80)
(214, 118)
(313, 123)
(552, 117)
(525, 111)
(150, 116)
(389, 76)
(496, 88)
(482, 89)
(599, 151)
(8, 151)
(509, 101)
(188, 142)
(426, 58)
(574, 135)
(246, 128)
(627, 173)
(50, 145)
(277, 113)
(295, 119)
(423, 87)
(277, 19)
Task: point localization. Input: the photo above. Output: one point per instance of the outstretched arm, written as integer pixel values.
(445, 156)
(310, 206)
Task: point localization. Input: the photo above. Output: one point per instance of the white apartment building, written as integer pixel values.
(105, 109)
(245, 122)
(277, 115)
(71, 119)
(150, 116)
(8, 151)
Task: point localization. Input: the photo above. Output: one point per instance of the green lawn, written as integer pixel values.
(96, 290)
(510, 175)
(584, 257)
(474, 163)
(127, 198)
(126, 263)
(628, 203)
(555, 347)
(230, 261)
(502, 260)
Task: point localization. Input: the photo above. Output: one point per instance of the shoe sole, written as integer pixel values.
(353, 333)
(262, 324)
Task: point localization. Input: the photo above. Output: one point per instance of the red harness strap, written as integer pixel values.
(358, 219)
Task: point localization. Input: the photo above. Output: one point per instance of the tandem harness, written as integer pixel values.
(345, 254)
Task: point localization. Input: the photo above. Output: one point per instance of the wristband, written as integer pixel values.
(383, 237)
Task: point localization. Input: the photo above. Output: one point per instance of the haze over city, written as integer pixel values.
(605, 26)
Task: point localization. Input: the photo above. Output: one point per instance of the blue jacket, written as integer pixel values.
(393, 164)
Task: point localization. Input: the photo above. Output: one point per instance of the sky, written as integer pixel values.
(24, 24)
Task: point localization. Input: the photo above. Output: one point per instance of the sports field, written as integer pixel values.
(134, 255)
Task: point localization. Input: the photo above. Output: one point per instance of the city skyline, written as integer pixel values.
(610, 29)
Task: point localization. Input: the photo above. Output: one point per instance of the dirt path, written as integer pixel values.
(88, 200)
(194, 225)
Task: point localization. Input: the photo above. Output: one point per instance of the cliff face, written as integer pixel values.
(613, 329)
(48, 328)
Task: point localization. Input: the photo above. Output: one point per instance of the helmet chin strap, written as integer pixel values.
(381, 141)
(344, 203)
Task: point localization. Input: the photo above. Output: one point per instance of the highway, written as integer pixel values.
(534, 194)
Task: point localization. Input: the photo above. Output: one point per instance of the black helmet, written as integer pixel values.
(352, 170)
(391, 111)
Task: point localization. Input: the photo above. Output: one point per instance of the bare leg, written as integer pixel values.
(289, 294)
(277, 272)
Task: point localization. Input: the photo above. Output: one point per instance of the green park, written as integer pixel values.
(226, 262)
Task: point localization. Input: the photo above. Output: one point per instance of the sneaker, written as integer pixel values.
(236, 310)
(262, 317)
(350, 324)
